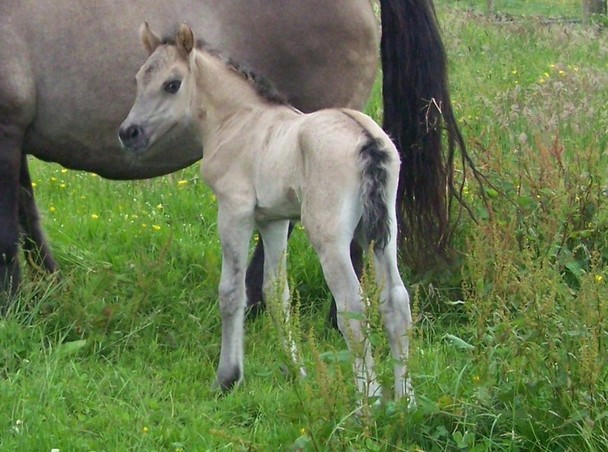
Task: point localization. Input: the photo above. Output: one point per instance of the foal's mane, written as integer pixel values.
(263, 85)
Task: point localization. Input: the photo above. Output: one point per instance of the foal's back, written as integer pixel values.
(331, 139)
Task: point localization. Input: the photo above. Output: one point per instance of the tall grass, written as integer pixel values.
(510, 346)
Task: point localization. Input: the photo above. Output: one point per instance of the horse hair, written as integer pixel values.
(375, 219)
(263, 86)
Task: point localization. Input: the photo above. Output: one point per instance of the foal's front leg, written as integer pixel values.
(274, 235)
(235, 225)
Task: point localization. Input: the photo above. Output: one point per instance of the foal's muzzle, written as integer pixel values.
(133, 138)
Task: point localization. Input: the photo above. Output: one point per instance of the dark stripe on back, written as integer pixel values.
(263, 86)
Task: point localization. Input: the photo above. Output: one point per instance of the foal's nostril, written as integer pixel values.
(133, 132)
(130, 135)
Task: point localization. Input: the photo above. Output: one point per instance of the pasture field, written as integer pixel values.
(556, 9)
(510, 348)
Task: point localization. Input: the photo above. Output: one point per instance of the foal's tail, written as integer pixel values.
(375, 174)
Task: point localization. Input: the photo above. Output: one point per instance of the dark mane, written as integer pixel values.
(262, 84)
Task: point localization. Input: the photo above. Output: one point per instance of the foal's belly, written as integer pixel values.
(286, 207)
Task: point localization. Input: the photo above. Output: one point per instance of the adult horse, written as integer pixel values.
(56, 79)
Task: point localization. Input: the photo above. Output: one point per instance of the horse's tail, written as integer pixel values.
(416, 109)
(375, 174)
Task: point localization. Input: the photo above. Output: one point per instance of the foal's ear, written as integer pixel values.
(185, 38)
(150, 40)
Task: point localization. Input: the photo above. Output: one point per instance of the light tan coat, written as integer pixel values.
(268, 163)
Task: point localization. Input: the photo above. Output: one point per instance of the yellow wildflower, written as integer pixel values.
(94, 216)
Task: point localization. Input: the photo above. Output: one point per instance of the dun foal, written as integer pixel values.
(268, 163)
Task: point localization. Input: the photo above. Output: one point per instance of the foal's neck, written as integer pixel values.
(222, 91)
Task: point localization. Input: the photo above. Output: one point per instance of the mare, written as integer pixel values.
(60, 62)
(267, 163)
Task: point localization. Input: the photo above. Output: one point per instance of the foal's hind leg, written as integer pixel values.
(333, 250)
(254, 279)
(34, 244)
(395, 309)
(356, 257)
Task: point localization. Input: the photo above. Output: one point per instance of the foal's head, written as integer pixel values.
(165, 90)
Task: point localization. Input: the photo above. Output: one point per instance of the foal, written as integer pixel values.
(268, 163)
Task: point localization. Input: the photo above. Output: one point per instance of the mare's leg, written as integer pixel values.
(396, 315)
(255, 280)
(274, 235)
(35, 245)
(333, 248)
(10, 163)
(235, 225)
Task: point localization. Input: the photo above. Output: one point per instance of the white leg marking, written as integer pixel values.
(395, 308)
(344, 285)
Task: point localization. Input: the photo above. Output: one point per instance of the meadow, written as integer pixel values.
(510, 349)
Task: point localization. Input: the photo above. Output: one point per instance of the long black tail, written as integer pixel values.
(376, 220)
(417, 108)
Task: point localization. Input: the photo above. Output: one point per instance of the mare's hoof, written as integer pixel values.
(253, 310)
(332, 315)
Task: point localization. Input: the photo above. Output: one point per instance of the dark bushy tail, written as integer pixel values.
(376, 220)
(416, 109)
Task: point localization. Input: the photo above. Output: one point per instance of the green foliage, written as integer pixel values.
(509, 349)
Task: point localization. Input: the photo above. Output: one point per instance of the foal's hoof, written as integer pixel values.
(411, 402)
(293, 372)
(227, 380)
(409, 394)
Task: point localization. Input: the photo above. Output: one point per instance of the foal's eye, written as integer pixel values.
(172, 86)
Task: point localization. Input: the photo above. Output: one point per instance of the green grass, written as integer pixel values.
(570, 9)
(509, 353)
